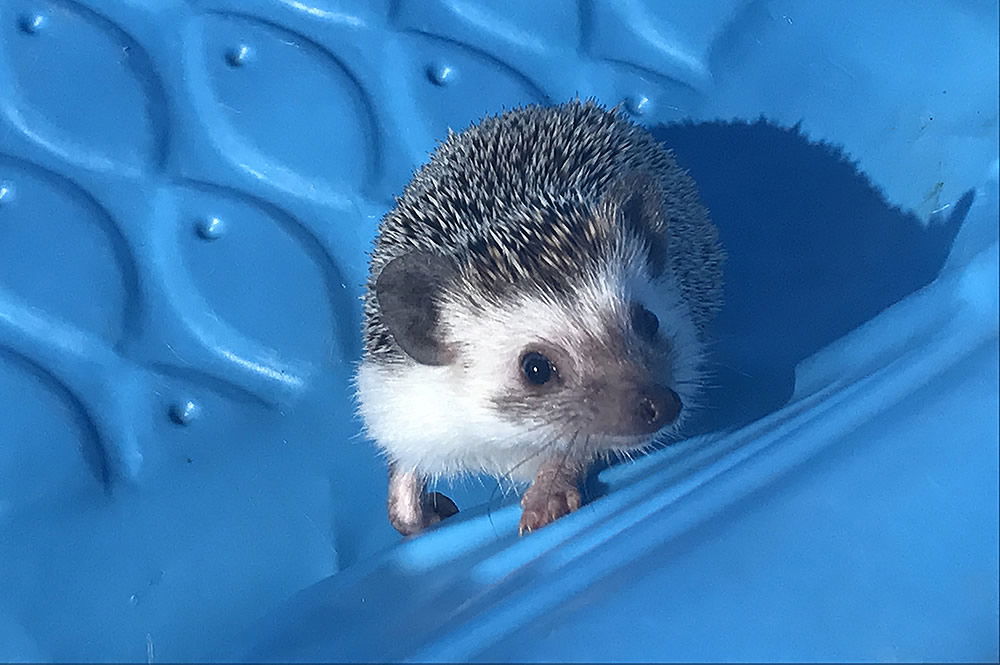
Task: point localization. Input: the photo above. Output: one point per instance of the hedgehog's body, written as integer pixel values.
(538, 297)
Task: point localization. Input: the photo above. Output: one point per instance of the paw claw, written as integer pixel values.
(544, 507)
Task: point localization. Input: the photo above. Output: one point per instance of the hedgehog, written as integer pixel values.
(537, 300)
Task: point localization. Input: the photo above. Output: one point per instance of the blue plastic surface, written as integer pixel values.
(187, 194)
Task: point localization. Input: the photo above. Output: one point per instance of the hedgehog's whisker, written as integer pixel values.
(552, 440)
(436, 478)
(570, 446)
(544, 445)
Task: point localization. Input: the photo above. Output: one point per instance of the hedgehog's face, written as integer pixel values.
(606, 368)
(600, 369)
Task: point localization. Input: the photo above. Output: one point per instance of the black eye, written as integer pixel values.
(644, 321)
(536, 367)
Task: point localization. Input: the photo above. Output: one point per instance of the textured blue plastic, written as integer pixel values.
(187, 194)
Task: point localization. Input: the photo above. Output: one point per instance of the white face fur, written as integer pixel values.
(445, 419)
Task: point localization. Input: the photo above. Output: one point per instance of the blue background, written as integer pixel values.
(187, 194)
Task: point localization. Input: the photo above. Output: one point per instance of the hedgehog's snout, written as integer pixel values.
(657, 406)
(634, 408)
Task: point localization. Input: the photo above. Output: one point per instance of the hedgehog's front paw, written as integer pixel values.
(411, 508)
(410, 519)
(544, 504)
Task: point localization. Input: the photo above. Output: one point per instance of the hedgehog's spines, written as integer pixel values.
(516, 201)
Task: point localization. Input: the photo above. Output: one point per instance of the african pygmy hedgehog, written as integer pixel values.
(537, 298)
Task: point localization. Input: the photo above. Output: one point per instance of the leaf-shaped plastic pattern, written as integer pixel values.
(54, 228)
(257, 269)
(52, 447)
(80, 86)
(324, 142)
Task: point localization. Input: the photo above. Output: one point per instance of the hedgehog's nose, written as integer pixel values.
(658, 406)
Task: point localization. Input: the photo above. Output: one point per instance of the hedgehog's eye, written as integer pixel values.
(537, 369)
(644, 322)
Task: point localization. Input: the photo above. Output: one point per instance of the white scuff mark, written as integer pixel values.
(150, 654)
(278, 375)
(177, 355)
(254, 172)
(339, 17)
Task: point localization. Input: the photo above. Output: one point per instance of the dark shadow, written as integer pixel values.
(813, 251)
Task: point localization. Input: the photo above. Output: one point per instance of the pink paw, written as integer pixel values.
(544, 505)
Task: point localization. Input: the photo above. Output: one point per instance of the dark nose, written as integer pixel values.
(658, 406)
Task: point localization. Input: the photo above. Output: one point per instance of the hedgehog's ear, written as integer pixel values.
(639, 200)
(640, 203)
(409, 291)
